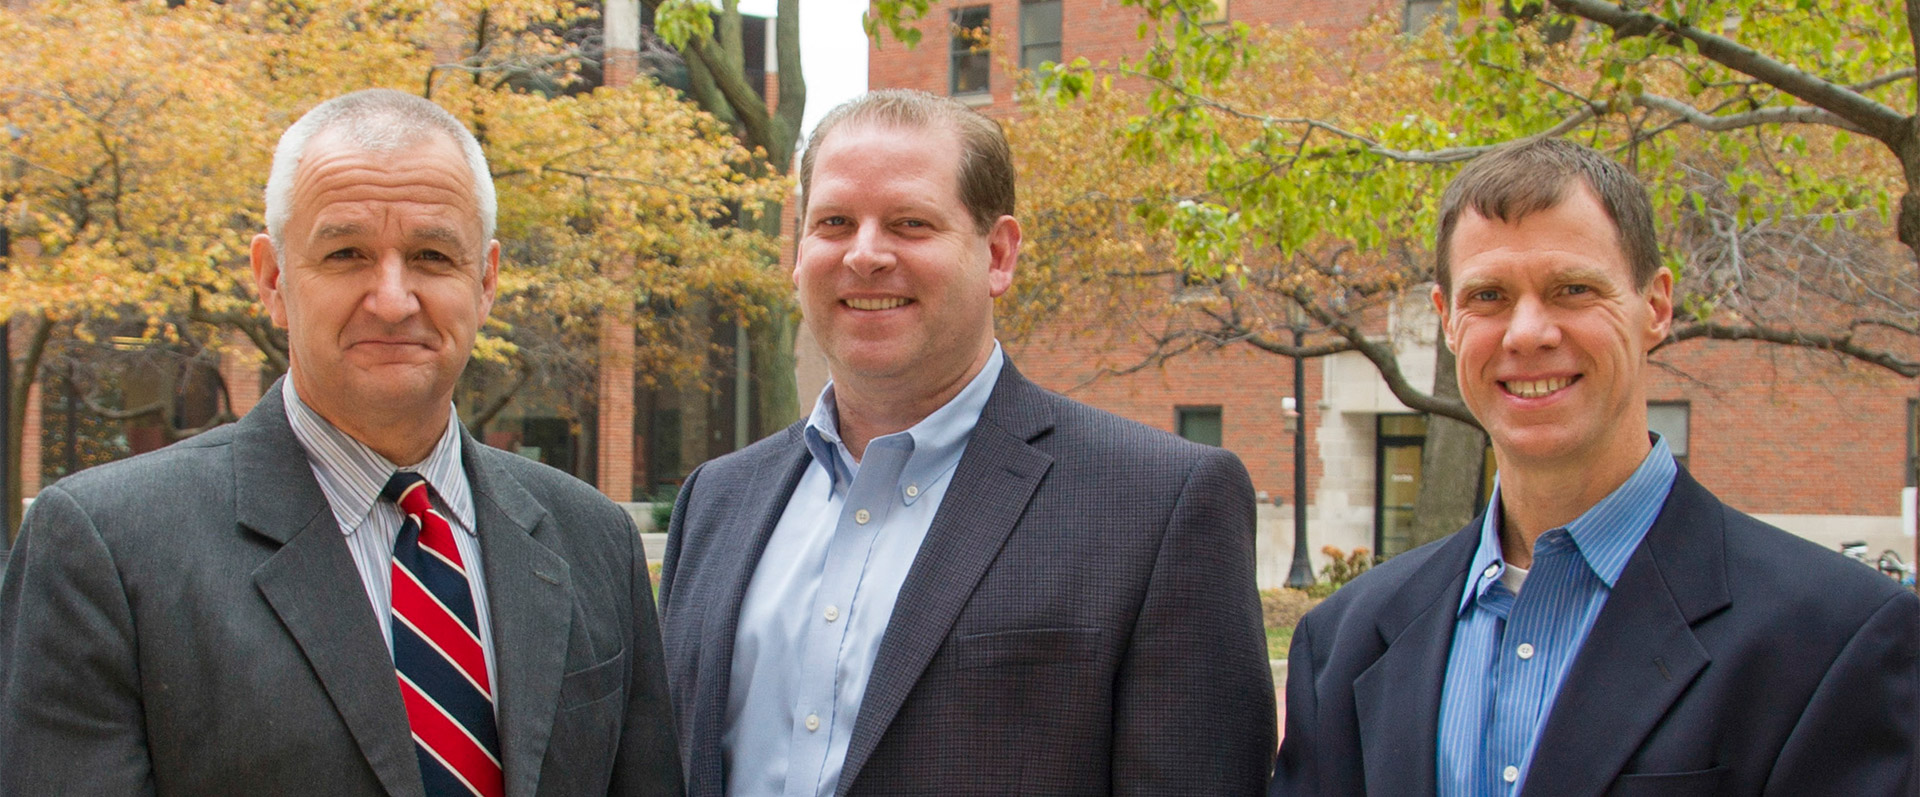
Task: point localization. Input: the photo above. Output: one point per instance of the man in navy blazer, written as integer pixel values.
(1607, 626)
(948, 580)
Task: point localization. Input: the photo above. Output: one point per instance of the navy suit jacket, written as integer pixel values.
(1731, 658)
(1081, 619)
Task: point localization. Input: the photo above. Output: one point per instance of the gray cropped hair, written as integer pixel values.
(379, 120)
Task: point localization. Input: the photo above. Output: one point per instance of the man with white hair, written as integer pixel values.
(343, 592)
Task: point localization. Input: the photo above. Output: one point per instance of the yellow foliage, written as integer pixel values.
(139, 137)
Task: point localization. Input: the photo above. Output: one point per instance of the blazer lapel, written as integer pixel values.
(1642, 653)
(530, 594)
(722, 620)
(312, 584)
(990, 489)
(1397, 699)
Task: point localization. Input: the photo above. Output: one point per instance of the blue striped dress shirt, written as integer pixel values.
(1511, 652)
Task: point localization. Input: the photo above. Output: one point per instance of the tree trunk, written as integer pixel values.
(1450, 463)
(776, 393)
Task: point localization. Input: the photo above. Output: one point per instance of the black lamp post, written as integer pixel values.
(1301, 574)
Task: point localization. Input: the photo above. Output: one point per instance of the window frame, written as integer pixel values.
(960, 51)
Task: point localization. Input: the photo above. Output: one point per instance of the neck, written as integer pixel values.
(402, 438)
(1537, 498)
(868, 409)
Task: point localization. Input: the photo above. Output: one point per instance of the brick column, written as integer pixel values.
(616, 403)
(622, 42)
(615, 400)
(240, 370)
(30, 445)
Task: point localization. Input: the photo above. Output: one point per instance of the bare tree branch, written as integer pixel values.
(1755, 118)
(1837, 343)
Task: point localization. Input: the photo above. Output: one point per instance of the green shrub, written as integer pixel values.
(663, 508)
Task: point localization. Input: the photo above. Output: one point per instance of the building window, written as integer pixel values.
(1039, 33)
(969, 53)
(1421, 12)
(1199, 424)
(1216, 12)
(1669, 419)
(1399, 442)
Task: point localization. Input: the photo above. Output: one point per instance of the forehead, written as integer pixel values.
(1576, 234)
(870, 160)
(428, 178)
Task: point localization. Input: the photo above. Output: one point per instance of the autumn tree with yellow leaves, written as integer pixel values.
(138, 140)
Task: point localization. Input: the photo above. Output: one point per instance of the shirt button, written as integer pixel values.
(1491, 570)
(913, 490)
(832, 613)
(1525, 650)
(862, 516)
(1510, 774)
(813, 724)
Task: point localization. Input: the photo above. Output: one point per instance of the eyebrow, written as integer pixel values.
(348, 229)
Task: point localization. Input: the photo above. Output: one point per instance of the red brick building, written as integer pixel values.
(1820, 446)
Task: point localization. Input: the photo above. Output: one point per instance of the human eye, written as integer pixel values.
(1483, 295)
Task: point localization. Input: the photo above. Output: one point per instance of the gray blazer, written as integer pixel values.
(1081, 618)
(190, 621)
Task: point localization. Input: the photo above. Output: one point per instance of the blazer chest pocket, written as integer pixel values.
(1025, 647)
(1676, 784)
(592, 683)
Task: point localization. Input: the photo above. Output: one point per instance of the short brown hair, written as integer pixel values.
(986, 162)
(1525, 177)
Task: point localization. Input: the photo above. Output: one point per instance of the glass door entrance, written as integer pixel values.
(1400, 441)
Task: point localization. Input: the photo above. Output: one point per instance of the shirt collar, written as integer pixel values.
(935, 443)
(1605, 535)
(352, 475)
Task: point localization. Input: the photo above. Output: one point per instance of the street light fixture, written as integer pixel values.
(1300, 576)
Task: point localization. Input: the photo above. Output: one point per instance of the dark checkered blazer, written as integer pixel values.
(1081, 619)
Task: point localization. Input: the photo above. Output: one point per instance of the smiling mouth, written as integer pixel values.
(878, 304)
(1538, 388)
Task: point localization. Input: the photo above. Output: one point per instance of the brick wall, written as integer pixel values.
(1098, 30)
(1785, 431)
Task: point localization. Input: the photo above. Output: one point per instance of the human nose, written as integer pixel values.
(1532, 326)
(391, 297)
(869, 251)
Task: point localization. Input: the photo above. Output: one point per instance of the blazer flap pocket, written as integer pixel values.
(1026, 646)
(591, 683)
(1705, 781)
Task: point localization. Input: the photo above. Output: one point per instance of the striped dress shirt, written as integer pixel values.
(351, 476)
(1511, 652)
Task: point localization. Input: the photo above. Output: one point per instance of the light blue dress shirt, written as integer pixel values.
(1511, 653)
(821, 596)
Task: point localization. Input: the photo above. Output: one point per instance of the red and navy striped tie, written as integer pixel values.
(437, 653)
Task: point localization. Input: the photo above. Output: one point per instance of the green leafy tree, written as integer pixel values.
(1288, 184)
